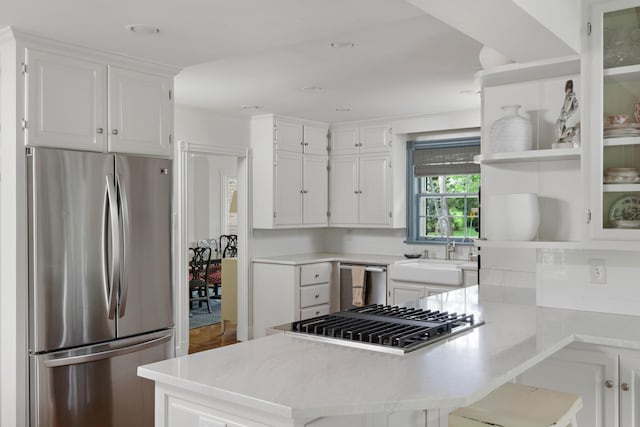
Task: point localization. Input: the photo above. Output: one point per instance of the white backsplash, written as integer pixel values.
(511, 267)
(285, 242)
(564, 280)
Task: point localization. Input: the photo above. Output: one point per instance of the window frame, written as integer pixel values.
(412, 199)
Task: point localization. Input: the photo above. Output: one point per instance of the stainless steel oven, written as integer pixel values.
(376, 285)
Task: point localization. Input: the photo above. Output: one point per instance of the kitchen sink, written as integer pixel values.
(440, 272)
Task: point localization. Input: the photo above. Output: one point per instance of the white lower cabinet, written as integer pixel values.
(286, 293)
(608, 379)
(183, 408)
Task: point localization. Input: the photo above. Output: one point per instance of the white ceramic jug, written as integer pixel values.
(513, 217)
(512, 132)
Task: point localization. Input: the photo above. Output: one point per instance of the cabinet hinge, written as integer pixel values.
(170, 94)
(29, 151)
(588, 28)
(170, 139)
(588, 216)
(328, 214)
(328, 168)
(390, 164)
(24, 124)
(274, 214)
(24, 68)
(390, 214)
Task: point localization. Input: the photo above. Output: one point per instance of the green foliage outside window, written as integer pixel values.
(452, 196)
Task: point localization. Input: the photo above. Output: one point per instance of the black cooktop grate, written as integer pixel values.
(400, 328)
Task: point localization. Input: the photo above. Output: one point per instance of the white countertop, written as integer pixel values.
(294, 377)
(299, 259)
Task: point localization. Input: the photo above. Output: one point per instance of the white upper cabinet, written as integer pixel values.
(288, 188)
(345, 141)
(315, 140)
(289, 136)
(315, 190)
(66, 100)
(301, 136)
(290, 184)
(139, 113)
(360, 191)
(374, 179)
(367, 176)
(615, 146)
(375, 139)
(78, 103)
(343, 190)
(360, 139)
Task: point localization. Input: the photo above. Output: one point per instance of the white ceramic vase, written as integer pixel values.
(513, 217)
(490, 58)
(511, 133)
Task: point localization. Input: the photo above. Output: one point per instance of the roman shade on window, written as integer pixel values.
(450, 160)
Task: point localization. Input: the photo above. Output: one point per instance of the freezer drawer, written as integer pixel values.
(97, 385)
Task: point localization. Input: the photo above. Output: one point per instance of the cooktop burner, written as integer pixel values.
(389, 329)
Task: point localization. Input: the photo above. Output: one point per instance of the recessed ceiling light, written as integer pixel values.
(143, 29)
(343, 109)
(342, 44)
(249, 107)
(312, 88)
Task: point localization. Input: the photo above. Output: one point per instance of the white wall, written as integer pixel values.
(563, 18)
(564, 280)
(285, 242)
(207, 127)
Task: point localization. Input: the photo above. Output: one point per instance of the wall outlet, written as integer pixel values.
(598, 271)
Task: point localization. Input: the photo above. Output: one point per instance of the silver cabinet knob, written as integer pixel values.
(114, 132)
(317, 313)
(317, 275)
(100, 131)
(317, 296)
(608, 384)
(624, 387)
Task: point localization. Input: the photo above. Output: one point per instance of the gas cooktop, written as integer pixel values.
(389, 329)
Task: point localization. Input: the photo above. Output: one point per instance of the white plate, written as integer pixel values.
(621, 179)
(626, 208)
(626, 224)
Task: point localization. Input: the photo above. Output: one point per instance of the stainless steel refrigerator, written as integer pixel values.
(100, 298)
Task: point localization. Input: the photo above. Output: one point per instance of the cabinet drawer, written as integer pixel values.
(315, 273)
(309, 312)
(314, 295)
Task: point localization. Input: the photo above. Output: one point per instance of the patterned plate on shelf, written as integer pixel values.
(626, 208)
(621, 179)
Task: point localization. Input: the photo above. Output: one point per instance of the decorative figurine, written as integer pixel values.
(566, 134)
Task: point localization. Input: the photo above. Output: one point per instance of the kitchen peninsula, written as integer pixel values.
(283, 380)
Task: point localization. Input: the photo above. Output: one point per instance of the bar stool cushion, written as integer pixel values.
(517, 405)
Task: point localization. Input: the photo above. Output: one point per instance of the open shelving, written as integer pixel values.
(522, 72)
(529, 156)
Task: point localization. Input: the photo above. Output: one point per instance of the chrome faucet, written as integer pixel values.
(450, 246)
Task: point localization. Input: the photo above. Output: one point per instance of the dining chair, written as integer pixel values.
(199, 276)
(231, 245)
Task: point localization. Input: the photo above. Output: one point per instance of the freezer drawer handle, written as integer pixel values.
(88, 358)
(112, 205)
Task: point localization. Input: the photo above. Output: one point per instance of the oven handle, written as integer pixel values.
(366, 268)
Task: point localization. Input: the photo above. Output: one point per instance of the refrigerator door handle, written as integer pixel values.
(87, 358)
(112, 204)
(124, 271)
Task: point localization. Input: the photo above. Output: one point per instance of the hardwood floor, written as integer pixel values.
(211, 336)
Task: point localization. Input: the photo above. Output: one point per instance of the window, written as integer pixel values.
(443, 190)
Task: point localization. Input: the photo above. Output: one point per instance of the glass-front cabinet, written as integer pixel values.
(615, 121)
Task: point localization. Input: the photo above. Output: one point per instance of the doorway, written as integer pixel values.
(212, 247)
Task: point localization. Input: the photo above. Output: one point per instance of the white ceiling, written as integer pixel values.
(258, 52)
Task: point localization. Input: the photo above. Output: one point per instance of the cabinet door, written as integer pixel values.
(315, 196)
(289, 136)
(630, 389)
(374, 139)
(288, 188)
(344, 141)
(585, 373)
(315, 140)
(400, 295)
(374, 204)
(139, 113)
(66, 102)
(343, 191)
